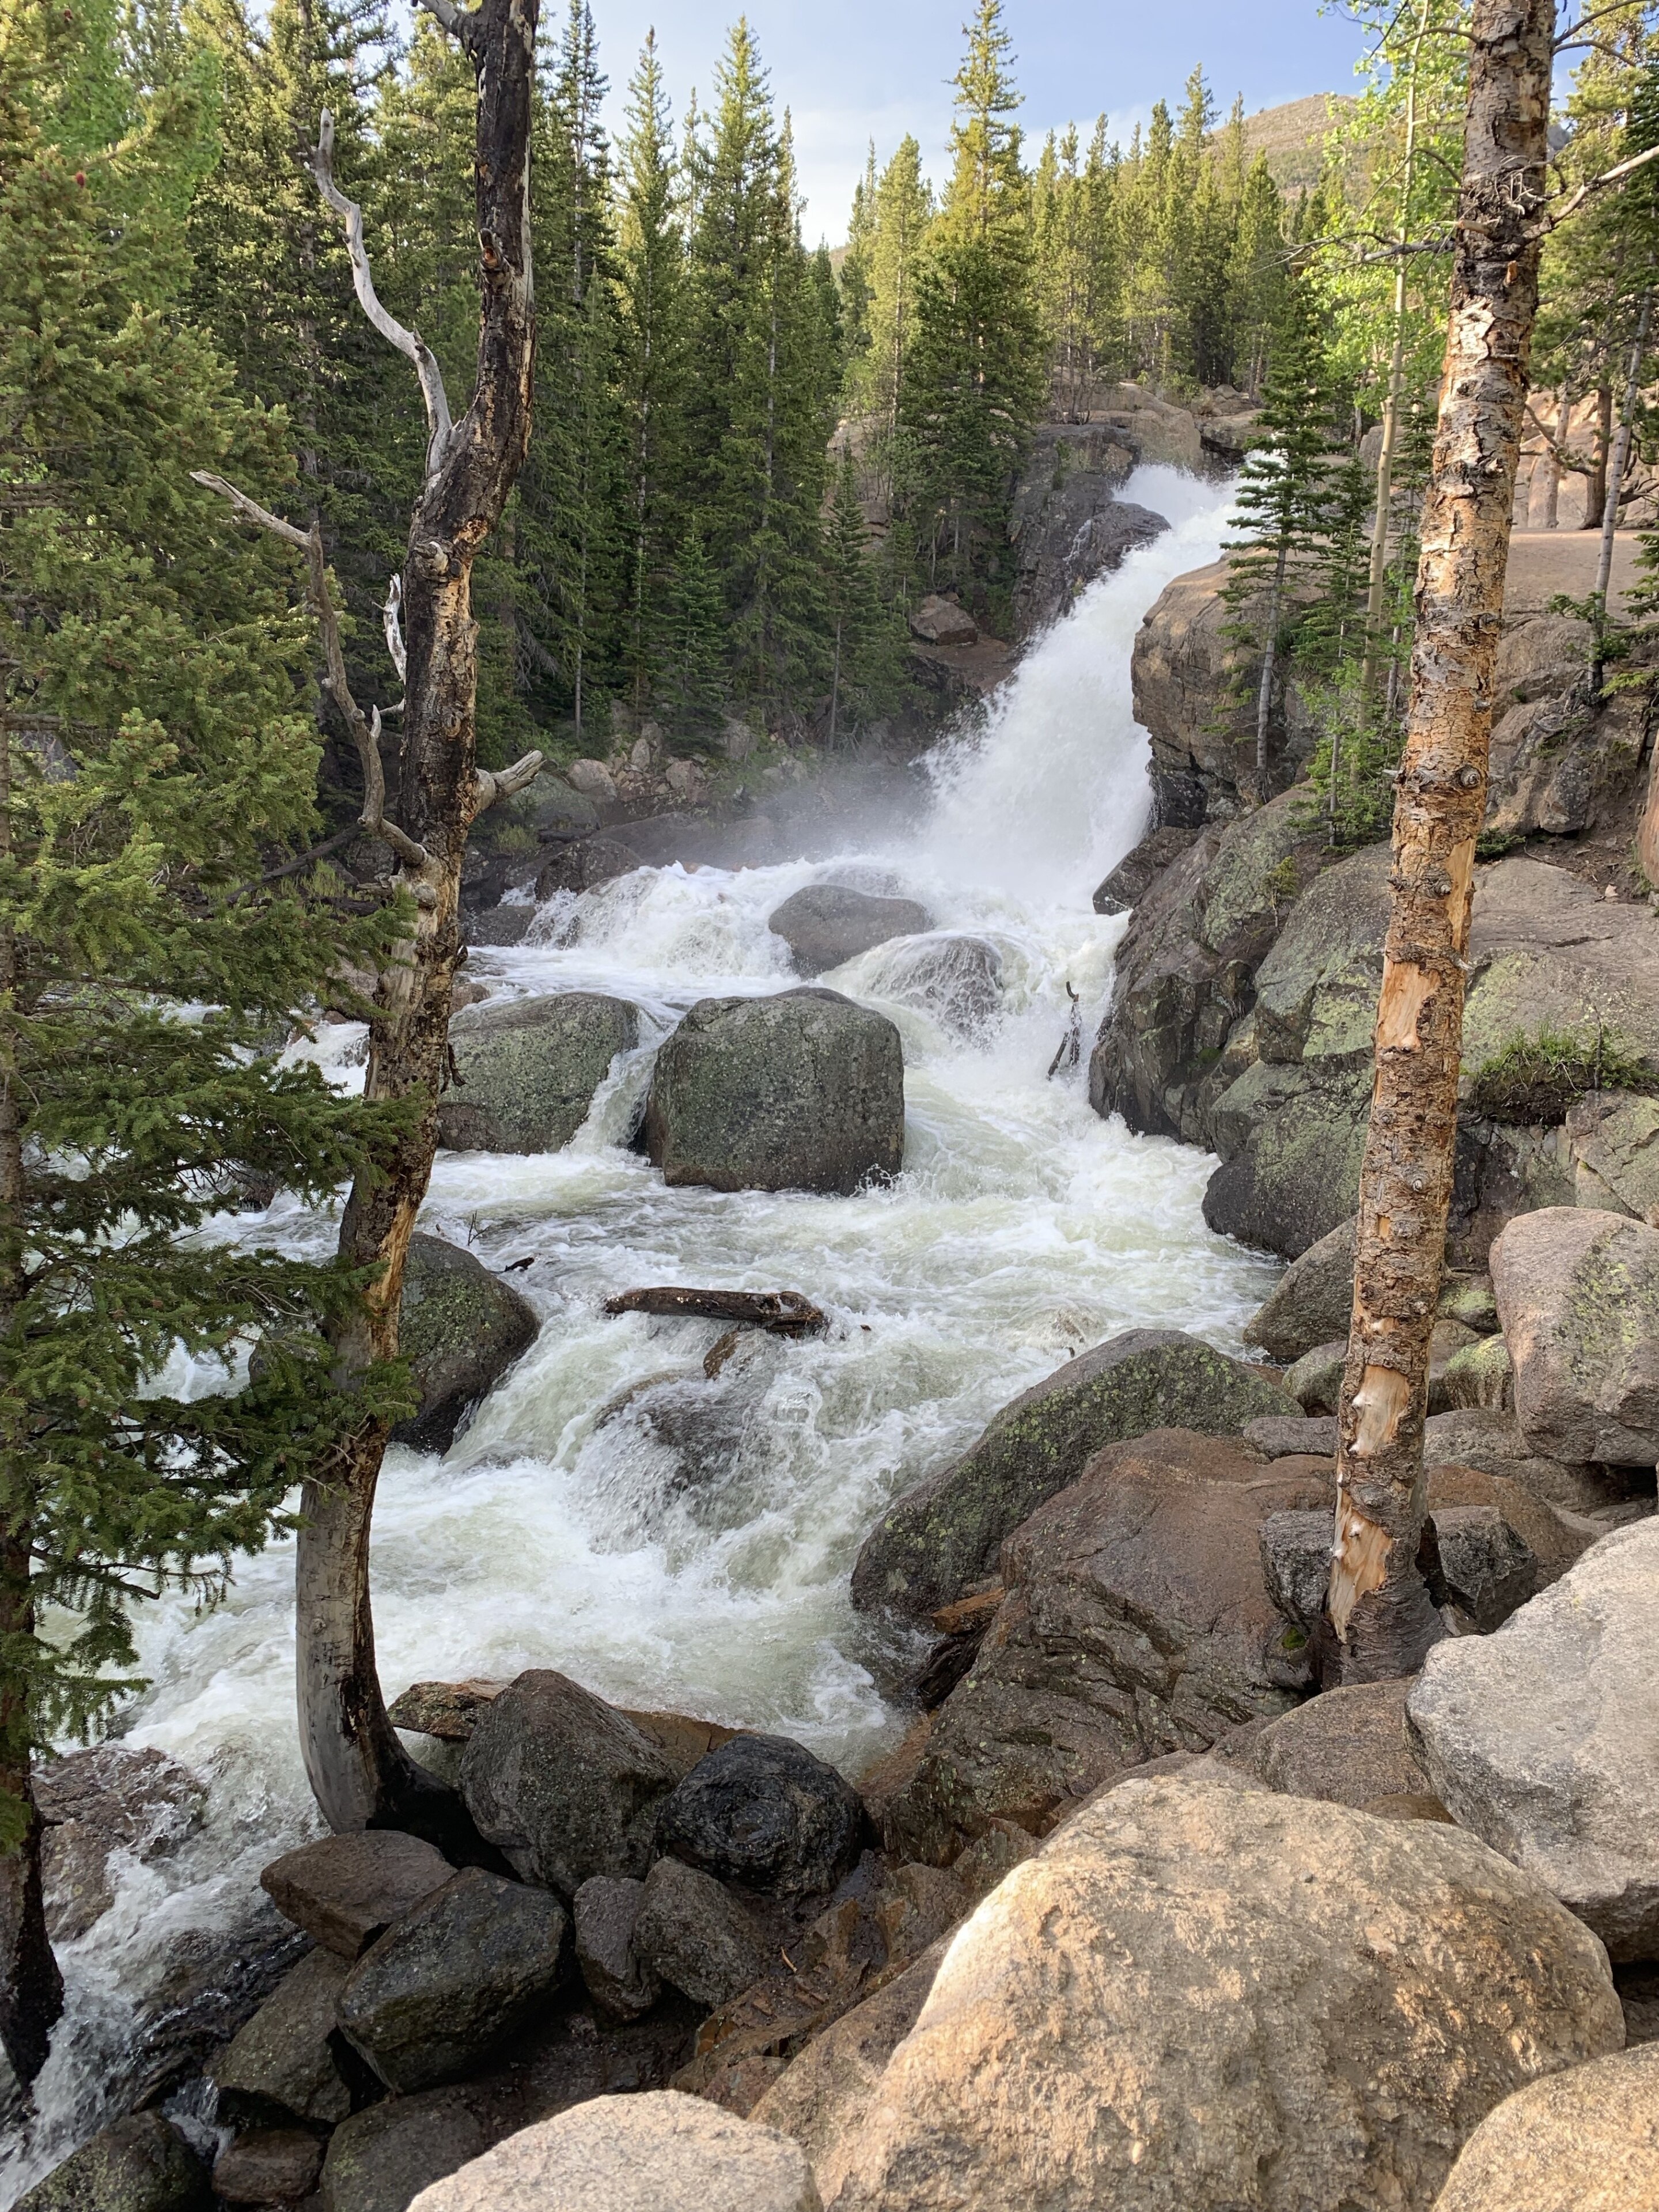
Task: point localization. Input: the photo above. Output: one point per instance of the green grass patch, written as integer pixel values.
(1534, 1080)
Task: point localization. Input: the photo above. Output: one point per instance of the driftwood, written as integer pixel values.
(1070, 1045)
(785, 1313)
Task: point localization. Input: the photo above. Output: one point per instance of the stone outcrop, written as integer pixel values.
(1543, 1740)
(526, 1070)
(828, 923)
(802, 1090)
(1135, 1623)
(1578, 1294)
(763, 1811)
(1186, 964)
(564, 1784)
(96, 1802)
(1612, 1139)
(1584, 2141)
(944, 1535)
(1068, 525)
(1123, 890)
(1174, 2004)
(460, 1328)
(671, 2153)
(345, 1891)
(1479, 1436)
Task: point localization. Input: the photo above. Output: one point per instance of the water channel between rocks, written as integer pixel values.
(689, 1548)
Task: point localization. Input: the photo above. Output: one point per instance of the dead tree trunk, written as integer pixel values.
(359, 1771)
(1379, 1607)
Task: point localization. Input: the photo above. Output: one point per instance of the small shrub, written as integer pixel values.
(1534, 1080)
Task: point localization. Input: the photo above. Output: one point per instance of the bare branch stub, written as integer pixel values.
(491, 785)
(321, 162)
(392, 622)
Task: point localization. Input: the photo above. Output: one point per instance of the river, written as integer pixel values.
(688, 1545)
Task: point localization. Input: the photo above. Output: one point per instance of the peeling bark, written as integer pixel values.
(1379, 1607)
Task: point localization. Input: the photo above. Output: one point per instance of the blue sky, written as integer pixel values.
(852, 69)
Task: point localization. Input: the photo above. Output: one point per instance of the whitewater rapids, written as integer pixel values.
(691, 1549)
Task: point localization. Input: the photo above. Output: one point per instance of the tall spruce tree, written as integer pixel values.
(976, 382)
(156, 752)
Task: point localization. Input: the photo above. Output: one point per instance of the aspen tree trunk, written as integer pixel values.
(1596, 494)
(361, 1774)
(1616, 468)
(1379, 1607)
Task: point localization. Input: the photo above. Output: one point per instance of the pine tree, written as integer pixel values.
(696, 641)
(653, 364)
(904, 213)
(157, 749)
(975, 382)
(867, 644)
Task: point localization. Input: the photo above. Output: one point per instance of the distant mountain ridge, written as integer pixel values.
(1292, 137)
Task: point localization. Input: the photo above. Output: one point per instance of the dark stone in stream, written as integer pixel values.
(802, 1090)
(141, 2164)
(763, 1811)
(527, 1069)
(454, 1979)
(827, 923)
(460, 1328)
(281, 2066)
(344, 1891)
(585, 865)
(269, 2165)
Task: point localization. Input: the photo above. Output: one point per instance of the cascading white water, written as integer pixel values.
(688, 1545)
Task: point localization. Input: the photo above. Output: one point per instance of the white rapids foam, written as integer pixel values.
(691, 1551)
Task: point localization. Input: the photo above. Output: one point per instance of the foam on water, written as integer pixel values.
(688, 1546)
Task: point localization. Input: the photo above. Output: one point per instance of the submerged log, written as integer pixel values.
(785, 1313)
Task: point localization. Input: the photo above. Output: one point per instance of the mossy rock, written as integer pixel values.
(460, 1328)
(527, 1069)
(943, 1536)
(802, 1091)
(141, 2164)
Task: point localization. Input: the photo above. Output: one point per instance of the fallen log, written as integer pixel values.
(785, 1313)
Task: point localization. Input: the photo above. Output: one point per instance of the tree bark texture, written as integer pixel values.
(1379, 1607)
(359, 1771)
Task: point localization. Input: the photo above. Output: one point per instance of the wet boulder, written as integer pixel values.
(605, 1913)
(1583, 2141)
(460, 1328)
(586, 863)
(1542, 1738)
(1175, 2004)
(956, 978)
(344, 1891)
(672, 2153)
(1312, 1301)
(109, 1799)
(827, 923)
(802, 1091)
(280, 2066)
(139, 2165)
(382, 2159)
(1122, 890)
(564, 1784)
(1578, 1294)
(1135, 1623)
(941, 1537)
(694, 1935)
(527, 1069)
(763, 1811)
(454, 1979)
(269, 2167)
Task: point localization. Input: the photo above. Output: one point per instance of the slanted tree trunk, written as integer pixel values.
(1379, 1607)
(1264, 690)
(1616, 468)
(361, 1774)
(1596, 494)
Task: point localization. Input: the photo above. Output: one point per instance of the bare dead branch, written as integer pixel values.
(1616, 175)
(364, 731)
(323, 852)
(391, 618)
(451, 17)
(321, 162)
(491, 784)
(1559, 454)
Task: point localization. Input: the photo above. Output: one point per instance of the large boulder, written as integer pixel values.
(345, 1891)
(692, 1933)
(1135, 1623)
(661, 2150)
(1312, 1301)
(138, 2165)
(381, 2159)
(586, 863)
(1185, 965)
(1557, 767)
(280, 2066)
(1201, 1997)
(454, 1979)
(95, 1803)
(1291, 1129)
(460, 1328)
(1347, 1747)
(1579, 1295)
(1584, 2141)
(827, 923)
(956, 978)
(802, 1091)
(526, 1070)
(1612, 1137)
(564, 1784)
(269, 2167)
(1544, 1738)
(763, 1811)
(942, 1536)
(1491, 1439)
